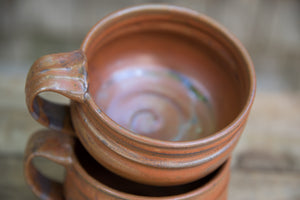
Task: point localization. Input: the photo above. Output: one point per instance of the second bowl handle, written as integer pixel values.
(63, 73)
(53, 146)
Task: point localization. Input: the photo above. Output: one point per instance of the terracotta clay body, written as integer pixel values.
(86, 179)
(160, 94)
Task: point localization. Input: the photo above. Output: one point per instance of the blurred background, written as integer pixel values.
(266, 162)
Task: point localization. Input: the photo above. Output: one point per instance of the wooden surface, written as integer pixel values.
(266, 162)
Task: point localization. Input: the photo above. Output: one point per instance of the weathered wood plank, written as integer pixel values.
(264, 185)
(12, 183)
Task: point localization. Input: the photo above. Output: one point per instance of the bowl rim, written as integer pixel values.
(162, 8)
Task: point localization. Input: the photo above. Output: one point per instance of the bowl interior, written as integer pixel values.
(172, 78)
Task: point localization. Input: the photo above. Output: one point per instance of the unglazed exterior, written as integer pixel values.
(159, 94)
(86, 179)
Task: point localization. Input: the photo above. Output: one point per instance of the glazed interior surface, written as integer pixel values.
(166, 79)
(101, 174)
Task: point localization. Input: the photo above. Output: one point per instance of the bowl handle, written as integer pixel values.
(63, 73)
(53, 146)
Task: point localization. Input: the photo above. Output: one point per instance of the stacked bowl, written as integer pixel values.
(159, 98)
